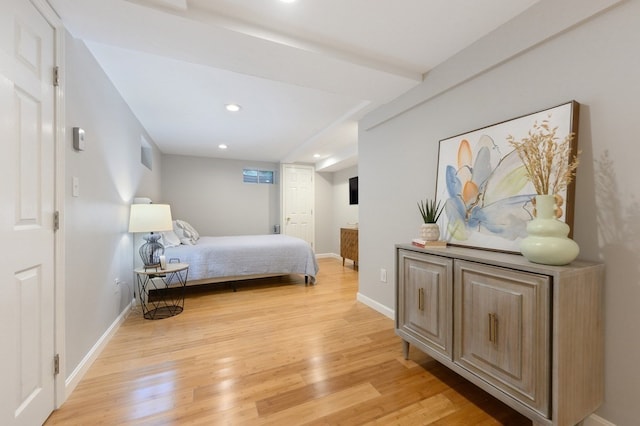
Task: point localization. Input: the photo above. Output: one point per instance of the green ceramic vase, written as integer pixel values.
(547, 242)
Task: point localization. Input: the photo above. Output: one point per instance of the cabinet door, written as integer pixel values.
(424, 299)
(502, 322)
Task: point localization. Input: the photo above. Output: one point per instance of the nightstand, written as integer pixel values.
(349, 245)
(161, 291)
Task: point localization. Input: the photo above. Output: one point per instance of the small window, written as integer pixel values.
(257, 176)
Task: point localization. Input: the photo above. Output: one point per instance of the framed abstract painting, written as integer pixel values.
(483, 184)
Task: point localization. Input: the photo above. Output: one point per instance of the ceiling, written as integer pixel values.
(303, 73)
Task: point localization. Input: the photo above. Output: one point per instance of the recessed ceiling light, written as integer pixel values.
(316, 155)
(287, 1)
(232, 107)
(222, 146)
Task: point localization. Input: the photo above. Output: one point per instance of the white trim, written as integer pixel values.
(59, 195)
(84, 365)
(327, 255)
(594, 420)
(376, 306)
(334, 256)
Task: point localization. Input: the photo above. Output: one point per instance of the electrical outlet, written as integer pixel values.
(383, 275)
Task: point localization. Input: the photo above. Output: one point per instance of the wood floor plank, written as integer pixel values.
(423, 412)
(322, 406)
(276, 352)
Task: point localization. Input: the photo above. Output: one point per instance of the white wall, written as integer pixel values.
(344, 215)
(209, 194)
(323, 213)
(98, 246)
(332, 208)
(595, 62)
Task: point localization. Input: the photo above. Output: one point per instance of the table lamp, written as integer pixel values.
(150, 218)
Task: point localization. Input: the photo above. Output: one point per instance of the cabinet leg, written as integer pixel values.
(405, 349)
(343, 262)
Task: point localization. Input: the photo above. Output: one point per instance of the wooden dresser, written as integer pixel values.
(531, 335)
(349, 245)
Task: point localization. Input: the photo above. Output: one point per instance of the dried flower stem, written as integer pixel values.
(546, 160)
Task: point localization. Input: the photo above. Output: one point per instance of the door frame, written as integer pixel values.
(49, 14)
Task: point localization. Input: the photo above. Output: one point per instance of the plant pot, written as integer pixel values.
(547, 242)
(430, 231)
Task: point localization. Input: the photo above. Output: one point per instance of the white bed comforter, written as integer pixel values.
(217, 257)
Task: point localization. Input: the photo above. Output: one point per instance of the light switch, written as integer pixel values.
(75, 186)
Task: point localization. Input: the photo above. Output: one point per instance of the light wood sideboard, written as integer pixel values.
(531, 335)
(349, 245)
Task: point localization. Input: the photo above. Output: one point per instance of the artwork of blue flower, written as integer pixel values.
(484, 192)
(484, 186)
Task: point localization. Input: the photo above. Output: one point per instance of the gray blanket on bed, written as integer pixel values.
(217, 257)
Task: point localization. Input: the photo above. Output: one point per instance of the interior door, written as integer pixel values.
(298, 201)
(27, 59)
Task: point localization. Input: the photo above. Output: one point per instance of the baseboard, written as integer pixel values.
(594, 420)
(376, 306)
(334, 256)
(328, 255)
(78, 373)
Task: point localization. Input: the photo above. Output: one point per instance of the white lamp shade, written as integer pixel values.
(150, 218)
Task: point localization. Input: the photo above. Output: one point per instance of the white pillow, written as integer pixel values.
(185, 232)
(170, 239)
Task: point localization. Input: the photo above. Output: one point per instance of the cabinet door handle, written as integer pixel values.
(421, 299)
(493, 328)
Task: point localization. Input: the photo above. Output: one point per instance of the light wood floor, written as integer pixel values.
(277, 352)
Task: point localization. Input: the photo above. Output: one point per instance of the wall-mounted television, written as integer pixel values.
(353, 190)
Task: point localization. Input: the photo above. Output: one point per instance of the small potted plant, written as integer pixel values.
(430, 211)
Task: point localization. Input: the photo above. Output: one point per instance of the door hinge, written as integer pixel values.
(56, 76)
(56, 364)
(56, 220)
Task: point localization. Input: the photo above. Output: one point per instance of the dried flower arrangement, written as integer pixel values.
(547, 161)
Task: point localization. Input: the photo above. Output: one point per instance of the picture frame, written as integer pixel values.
(481, 182)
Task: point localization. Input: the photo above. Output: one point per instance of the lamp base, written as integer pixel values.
(151, 251)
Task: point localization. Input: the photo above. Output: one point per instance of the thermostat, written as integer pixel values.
(78, 139)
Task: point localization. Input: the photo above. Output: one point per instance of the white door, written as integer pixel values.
(298, 201)
(27, 59)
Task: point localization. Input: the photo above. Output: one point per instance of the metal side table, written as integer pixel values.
(161, 291)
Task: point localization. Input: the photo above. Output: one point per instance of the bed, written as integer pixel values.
(230, 258)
